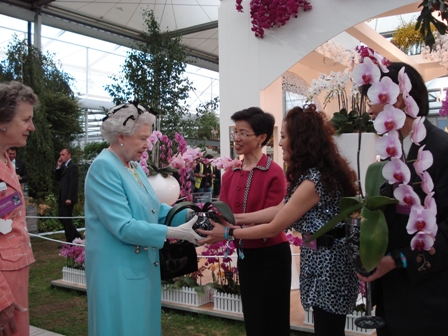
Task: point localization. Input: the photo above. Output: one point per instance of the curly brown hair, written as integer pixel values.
(312, 146)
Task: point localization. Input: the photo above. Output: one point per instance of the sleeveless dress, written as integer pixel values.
(327, 277)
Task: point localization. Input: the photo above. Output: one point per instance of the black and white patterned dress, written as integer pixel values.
(327, 277)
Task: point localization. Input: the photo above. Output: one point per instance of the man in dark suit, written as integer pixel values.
(19, 165)
(410, 288)
(67, 175)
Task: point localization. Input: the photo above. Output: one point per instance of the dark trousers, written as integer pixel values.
(70, 231)
(327, 324)
(265, 278)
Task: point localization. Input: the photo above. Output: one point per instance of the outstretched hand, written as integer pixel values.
(8, 323)
(386, 265)
(215, 235)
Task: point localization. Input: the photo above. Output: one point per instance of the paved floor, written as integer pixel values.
(41, 332)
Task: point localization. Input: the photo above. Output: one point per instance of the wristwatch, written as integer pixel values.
(231, 237)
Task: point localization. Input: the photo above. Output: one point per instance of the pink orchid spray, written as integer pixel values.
(422, 219)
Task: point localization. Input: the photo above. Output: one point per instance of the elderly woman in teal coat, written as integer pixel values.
(123, 231)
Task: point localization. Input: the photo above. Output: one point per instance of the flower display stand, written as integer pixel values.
(187, 296)
(74, 275)
(229, 303)
(350, 325)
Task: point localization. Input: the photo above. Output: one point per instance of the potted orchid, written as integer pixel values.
(169, 157)
(365, 213)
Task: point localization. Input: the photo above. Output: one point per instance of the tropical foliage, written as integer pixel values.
(153, 74)
(56, 117)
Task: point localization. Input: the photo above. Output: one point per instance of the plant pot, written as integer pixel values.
(167, 188)
(229, 303)
(348, 147)
(203, 222)
(73, 275)
(353, 237)
(187, 296)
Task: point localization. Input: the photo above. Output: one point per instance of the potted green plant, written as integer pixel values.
(204, 212)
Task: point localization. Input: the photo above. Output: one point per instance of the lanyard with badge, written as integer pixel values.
(7, 205)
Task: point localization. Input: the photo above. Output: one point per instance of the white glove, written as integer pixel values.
(184, 231)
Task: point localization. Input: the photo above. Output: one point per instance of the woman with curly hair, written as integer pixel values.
(318, 177)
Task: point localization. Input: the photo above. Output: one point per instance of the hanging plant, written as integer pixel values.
(406, 37)
(426, 18)
(266, 14)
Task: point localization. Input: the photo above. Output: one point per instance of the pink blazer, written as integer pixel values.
(15, 246)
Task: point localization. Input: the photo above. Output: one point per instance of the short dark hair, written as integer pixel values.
(419, 91)
(260, 121)
(13, 148)
(69, 151)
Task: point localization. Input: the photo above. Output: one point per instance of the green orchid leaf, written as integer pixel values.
(190, 282)
(224, 210)
(348, 202)
(206, 207)
(215, 285)
(353, 115)
(374, 238)
(377, 202)
(179, 207)
(374, 178)
(199, 289)
(335, 220)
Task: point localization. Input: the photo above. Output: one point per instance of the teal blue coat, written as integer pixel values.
(123, 287)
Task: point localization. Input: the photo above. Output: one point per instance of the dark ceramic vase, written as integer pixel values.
(203, 222)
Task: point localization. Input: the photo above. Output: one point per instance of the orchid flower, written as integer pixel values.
(389, 119)
(418, 131)
(427, 183)
(403, 81)
(177, 161)
(396, 171)
(421, 220)
(383, 62)
(389, 145)
(366, 73)
(406, 195)
(430, 203)
(411, 107)
(383, 92)
(424, 160)
(422, 241)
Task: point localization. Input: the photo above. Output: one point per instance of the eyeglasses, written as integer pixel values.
(241, 135)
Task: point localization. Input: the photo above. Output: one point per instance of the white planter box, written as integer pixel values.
(348, 147)
(230, 303)
(74, 275)
(349, 322)
(187, 296)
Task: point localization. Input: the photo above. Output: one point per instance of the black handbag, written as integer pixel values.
(177, 258)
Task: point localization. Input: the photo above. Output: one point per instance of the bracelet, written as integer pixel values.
(399, 259)
(226, 233)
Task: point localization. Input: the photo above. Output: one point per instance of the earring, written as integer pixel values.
(259, 145)
(4, 129)
(121, 144)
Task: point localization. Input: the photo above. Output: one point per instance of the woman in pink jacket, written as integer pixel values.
(16, 124)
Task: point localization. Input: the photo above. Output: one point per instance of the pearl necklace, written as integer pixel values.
(118, 156)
